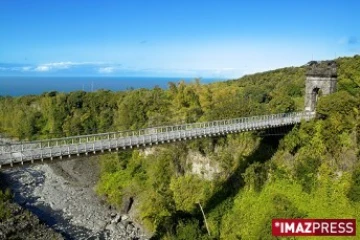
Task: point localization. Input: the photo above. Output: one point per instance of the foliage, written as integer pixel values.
(354, 190)
(4, 198)
(338, 103)
(190, 190)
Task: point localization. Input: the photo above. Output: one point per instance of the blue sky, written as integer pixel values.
(171, 38)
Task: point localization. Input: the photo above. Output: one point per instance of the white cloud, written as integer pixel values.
(54, 66)
(100, 67)
(109, 69)
(60, 65)
(63, 65)
(106, 70)
(113, 68)
(26, 69)
(42, 68)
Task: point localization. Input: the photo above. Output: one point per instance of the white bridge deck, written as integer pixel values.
(29, 152)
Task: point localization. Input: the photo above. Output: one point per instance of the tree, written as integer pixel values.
(282, 104)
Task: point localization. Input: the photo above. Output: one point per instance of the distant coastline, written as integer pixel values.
(19, 86)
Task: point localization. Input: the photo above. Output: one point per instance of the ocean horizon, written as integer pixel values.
(19, 86)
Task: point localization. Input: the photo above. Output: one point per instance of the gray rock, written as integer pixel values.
(130, 228)
(120, 227)
(116, 219)
(124, 217)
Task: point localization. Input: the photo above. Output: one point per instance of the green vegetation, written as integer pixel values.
(5, 197)
(313, 171)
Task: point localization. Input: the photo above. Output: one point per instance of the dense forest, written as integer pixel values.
(312, 171)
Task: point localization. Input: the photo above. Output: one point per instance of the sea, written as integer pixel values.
(19, 86)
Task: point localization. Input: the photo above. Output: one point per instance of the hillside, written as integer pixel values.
(244, 181)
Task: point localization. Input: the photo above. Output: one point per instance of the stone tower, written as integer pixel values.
(321, 77)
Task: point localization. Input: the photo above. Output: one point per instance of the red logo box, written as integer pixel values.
(313, 227)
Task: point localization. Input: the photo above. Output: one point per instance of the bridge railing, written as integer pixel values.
(227, 124)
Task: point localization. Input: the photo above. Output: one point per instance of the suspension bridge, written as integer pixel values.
(321, 75)
(35, 151)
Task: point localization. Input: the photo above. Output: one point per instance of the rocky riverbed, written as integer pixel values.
(61, 195)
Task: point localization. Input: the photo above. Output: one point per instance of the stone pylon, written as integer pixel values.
(321, 78)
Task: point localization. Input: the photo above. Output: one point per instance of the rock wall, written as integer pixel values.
(202, 165)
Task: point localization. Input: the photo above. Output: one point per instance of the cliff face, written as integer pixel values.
(202, 166)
